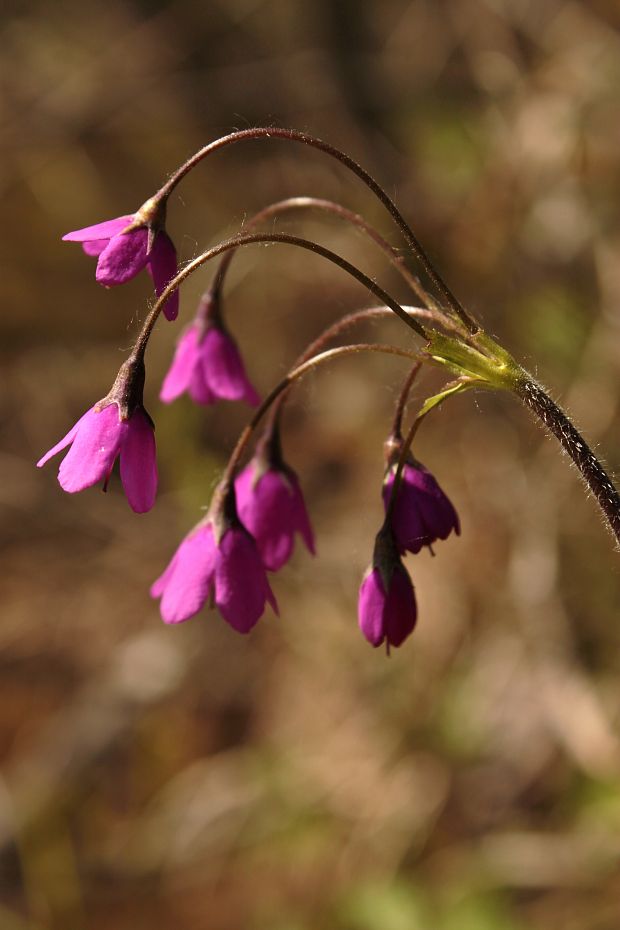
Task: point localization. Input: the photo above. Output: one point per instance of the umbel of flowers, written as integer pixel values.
(258, 509)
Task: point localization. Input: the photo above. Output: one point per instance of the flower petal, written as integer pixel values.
(409, 529)
(300, 516)
(400, 611)
(264, 510)
(241, 586)
(438, 515)
(104, 230)
(64, 442)
(139, 464)
(199, 390)
(93, 452)
(371, 603)
(160, 584)
(188, 580)
(94, 247)
(180, 372)
(123, 257)
(223, 368)
(162, 265)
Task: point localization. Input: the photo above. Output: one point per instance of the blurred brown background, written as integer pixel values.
(296, 779)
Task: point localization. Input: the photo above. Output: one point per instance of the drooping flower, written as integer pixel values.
(271, 504)
(127, 244)
(422, 512)
(387, 608)
(218, 561)
(116, 426)
(207, 363)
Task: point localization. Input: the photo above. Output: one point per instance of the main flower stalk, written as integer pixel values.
(594, 475)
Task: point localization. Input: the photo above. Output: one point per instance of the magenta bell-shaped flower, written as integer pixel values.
(207, 363)
(271, 505)
(422, 512)
(127, 244)
(116, 426)
(387, 608)
(217, 562)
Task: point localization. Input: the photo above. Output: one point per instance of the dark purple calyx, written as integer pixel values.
(222, 514)
(268, 456)
(392, 449)
(209, 314)
(386, 557)
(127, 392)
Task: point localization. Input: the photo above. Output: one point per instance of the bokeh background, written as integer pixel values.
(190, 778)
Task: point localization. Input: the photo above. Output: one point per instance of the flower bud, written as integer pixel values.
(387, 608)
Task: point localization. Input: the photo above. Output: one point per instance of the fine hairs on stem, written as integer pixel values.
(590, 468)
(573, 443)
(256, 511)
(354, 219)
(239, 241)
(303, 138)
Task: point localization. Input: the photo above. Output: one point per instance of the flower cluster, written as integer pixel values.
(252, 521)
(257, 510)
(249, 529)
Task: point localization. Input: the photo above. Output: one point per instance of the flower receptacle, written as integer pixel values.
(484, 361)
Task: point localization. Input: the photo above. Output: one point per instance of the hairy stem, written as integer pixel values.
(336, 209)
(402, 401)
(592, 472)
(351, 319)
(298, 372)
(336, 329)
(238, 241)
(293, 135)
(405, 446)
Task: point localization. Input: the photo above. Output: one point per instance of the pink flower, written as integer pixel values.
(207, 363)
(116, 425)
(271, 506)
(270, 502)
(422, 512)
(96, 441)
(127, 244)
(387, 608)
(229, 573)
